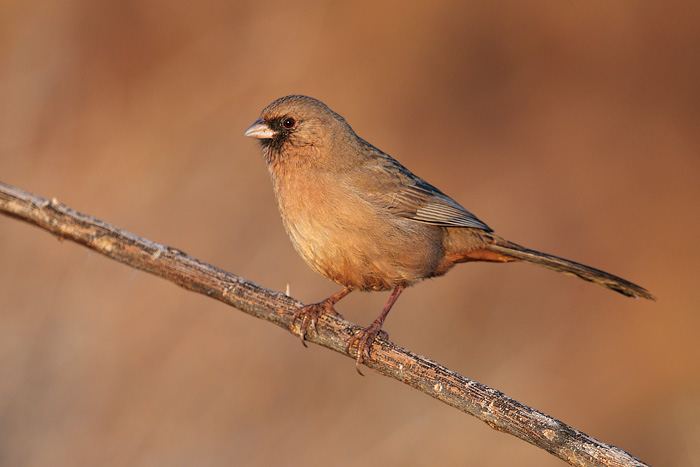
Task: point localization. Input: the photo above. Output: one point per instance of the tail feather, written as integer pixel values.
(565, 266)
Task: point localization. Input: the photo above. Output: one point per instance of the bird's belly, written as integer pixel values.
(365, 251)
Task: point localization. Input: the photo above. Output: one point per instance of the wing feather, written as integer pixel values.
(385, 181)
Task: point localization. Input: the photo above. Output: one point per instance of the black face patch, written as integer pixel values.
(283, 127)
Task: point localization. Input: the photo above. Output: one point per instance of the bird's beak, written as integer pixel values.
(260, 130)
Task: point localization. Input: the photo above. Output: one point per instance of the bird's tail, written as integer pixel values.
(510, 250)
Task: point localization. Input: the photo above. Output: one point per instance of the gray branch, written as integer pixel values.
(489, 405)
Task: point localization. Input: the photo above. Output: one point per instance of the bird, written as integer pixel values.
(361, 219)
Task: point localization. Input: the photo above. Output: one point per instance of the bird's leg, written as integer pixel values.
(366, 337)
(310, 313)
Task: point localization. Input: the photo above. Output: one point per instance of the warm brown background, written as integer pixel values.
(571, 127)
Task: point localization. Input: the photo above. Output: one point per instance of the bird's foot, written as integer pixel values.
(364, 340)
(309, 315)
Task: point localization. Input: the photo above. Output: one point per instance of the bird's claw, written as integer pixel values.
(309, 315)
(364, 340)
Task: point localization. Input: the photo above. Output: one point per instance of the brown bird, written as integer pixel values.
(363, 220)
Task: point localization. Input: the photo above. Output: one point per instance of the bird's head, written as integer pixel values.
(299, 127)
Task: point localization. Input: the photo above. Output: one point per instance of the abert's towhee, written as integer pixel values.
(363, 220)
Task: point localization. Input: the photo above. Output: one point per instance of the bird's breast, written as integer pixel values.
(350, 240)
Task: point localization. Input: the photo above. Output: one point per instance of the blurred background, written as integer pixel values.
(568, 127)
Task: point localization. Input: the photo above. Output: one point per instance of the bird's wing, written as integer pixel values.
(407, 195)
(425, 203)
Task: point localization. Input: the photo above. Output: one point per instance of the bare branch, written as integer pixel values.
(489, 405)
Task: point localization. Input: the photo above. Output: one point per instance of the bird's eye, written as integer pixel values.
(289, 123)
